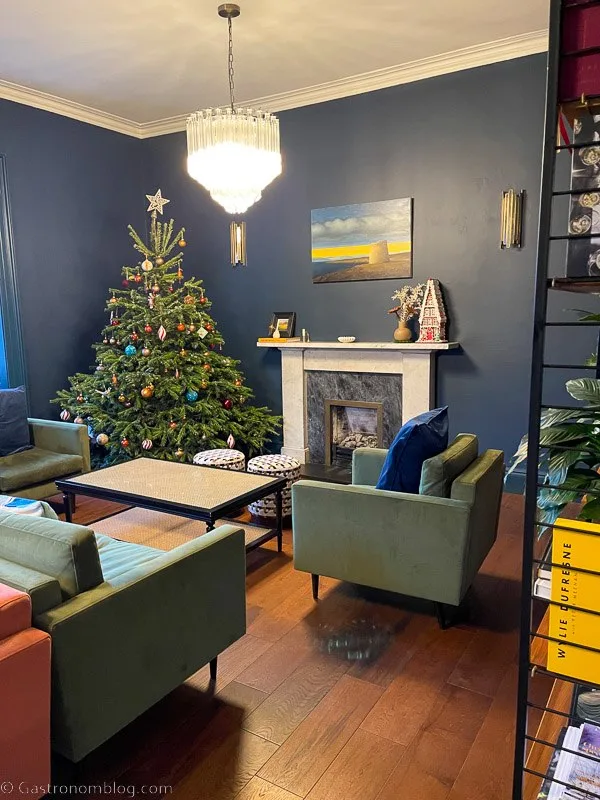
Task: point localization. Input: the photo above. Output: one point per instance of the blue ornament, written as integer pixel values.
(130, 350)
(191, 395)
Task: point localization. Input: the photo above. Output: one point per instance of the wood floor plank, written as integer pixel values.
(360, 770)
(408, 701)
(485, 662)
(282, 711)
(232, 662)
(304, 757)
(280, 660)
(460, 712)
(258, 789)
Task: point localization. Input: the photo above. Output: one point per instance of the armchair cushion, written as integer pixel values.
(43, 590)
(58, 549)
(439, 472)
(35, 466)
(120, 558)
(14, 428)
(15, 611)
(418, 439)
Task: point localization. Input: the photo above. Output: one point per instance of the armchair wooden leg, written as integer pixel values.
(315, 586)
(447, 615)
(213, 669)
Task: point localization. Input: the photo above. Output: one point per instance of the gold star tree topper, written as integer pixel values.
(157, 202)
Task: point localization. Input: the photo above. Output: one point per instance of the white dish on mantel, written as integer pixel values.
(346, 339)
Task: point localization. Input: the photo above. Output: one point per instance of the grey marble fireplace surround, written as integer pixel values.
(353, 387)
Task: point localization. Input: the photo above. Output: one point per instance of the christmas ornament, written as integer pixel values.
(147, 328)
(114, 379)
(147, 392)
(156, 288)
(125, 283)
(179, 452)
(100, 367)
(105, 340)
(112, 300)
(137, 278)
(238, 382)
(180, 326)
(147, 444)
(176, 372)
(202, 332)
(228, 404)
(65, 415)
(209, 327)
(145, 351)
(212, 346)
(134, 336)
(191, 395)
(189, 300)
(242, 399)
(171, 289)
(183, 353)
(207, 367)
(128, 404)
(172, 424)
(157, 202)
(162, 333)
(114, 321)
(124, 442)
(112, 340)
(150, 300)
(192, 328)
(130, 350)
(160, 261)
(180, 273)
(146, 265)
(182, 243)
(102, 439)
(122, 398)
(203, 300)
(230, 442)
(203, 385)
(78, 420)
(80, 398)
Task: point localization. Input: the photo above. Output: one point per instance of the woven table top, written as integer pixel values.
(185, 484)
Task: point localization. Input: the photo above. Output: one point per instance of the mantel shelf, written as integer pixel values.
(426, 347)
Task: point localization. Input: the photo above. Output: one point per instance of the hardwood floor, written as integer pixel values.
(426, 714)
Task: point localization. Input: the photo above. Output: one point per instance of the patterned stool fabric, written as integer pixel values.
(223, 459)
(274, 466)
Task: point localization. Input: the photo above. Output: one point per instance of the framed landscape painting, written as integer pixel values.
(362, 242)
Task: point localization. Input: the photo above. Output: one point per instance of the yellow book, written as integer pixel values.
(573, 549)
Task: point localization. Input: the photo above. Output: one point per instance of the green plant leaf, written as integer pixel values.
(558, 465)
(585, 389)
(591, 510)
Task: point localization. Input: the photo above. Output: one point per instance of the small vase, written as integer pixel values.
(402, 332)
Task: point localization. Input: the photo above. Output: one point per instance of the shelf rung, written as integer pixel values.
(571, 236)
(568, 366)
(578, 146)
(572, 192)
(577, 324)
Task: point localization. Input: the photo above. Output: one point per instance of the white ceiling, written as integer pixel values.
(150, 60)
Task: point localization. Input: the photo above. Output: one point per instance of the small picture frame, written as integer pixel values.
(283, 325)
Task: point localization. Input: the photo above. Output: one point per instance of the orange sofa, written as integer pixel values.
(24, 699)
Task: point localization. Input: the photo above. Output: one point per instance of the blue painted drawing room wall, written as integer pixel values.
(452, 143)
(72, 190)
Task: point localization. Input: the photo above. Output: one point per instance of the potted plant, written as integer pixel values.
(410, 298)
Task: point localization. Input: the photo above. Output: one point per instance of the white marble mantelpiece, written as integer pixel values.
(414, 361)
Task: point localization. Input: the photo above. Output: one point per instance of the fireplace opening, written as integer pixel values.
(349, 425)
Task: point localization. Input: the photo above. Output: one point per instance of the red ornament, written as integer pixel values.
(203, 300)
(212, 346)
(137, 278)
(115, 321)
(134, 337)
(171, 289)
(207, 367)
(209, 327)
(147, 328)
(181, 326)
(172, 424)
(125, 283)
(228, 404)
(124, 442)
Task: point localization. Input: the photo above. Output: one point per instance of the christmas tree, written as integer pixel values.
(161, 387)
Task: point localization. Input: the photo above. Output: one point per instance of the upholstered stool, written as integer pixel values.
(274, 466)
(223, 459)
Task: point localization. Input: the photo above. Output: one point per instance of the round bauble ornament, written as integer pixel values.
(113, 300)
(180, 326)
(212, 345)
(172, 424)
(147, 265)
(228, 404)
(160, 261)
(203, 385)
(78, 420)
(183, 352)
(114, 379)
(171, 289)
(112, 340)
(192, 328)
(65, 415)
(124, 442)
(100, 368)
(125, 283)
(115, 321)
(241, 399)
(102, 439)
(206, 367)
(130, 350)
(179, 452)
(189, 300)
(134, 336)
(191, 395)
(156, 288)
(147, 392)
(137, 278)
(203, 300)
(182, 243)
(145, 351)
(147, 444)
(147, 328)
(121, 398)
(238, 382)
(105, 340)
(209, 327)
(80, 398)
(128, 404)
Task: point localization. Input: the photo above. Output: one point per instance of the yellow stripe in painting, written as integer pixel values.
(358, 250)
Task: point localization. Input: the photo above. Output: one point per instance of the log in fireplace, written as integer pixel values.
(348, 425)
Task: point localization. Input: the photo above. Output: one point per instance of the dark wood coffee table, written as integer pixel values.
(202, 493)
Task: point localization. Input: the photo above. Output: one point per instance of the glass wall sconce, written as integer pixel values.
(238, 244)
(511, 219)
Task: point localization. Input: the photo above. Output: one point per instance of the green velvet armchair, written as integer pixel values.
(59, 449)
(419, 545)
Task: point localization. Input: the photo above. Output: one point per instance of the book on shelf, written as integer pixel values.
(280, 340)
(574, 775)
(574, 549)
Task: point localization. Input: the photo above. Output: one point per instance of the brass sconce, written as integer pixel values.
(511, 219)
(237, 232)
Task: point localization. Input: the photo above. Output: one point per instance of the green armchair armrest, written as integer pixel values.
(367, 463)
(61, 437)
(405, 543)
(119, 648)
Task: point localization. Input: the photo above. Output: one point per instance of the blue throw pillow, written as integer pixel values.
(14, 427)
(416, 441)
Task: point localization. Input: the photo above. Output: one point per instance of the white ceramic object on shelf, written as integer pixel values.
(346, 339)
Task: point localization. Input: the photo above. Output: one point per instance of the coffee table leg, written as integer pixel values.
(210, 525)
(278, 505)
(68, 501)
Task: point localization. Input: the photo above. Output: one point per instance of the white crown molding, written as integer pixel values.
(467, 58)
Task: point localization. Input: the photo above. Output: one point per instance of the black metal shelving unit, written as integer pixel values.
(539, 725)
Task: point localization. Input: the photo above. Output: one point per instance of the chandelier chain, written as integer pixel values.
(231, 75)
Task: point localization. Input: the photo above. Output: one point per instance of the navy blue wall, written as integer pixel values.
(72, 189)
(452, 143)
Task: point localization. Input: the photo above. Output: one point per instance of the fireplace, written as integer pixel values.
(348, 425)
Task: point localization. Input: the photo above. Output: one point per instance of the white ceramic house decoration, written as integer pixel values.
(432, 318)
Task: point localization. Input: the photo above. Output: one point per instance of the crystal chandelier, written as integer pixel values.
(233, 152)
